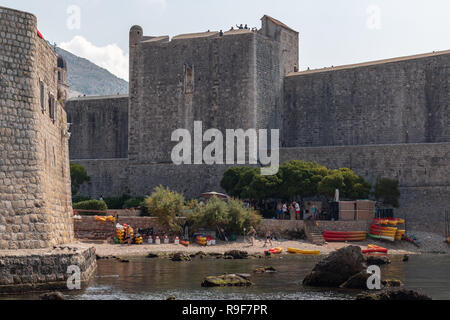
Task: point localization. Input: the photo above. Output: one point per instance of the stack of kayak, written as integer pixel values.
(374, 249)
(200, 240)
(389, 221)
(387, 229)
(342, 236)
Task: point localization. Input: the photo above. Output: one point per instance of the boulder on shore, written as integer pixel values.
(358, 281)
(336, 268)
(54, 296)
(237, 254)
(264, 270)
(398, 294)
(377, 260)
(226, 280)
(391, 283)
(180, 256)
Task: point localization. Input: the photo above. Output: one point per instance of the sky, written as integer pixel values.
(332, 32)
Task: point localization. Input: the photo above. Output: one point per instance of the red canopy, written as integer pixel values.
(39, 34)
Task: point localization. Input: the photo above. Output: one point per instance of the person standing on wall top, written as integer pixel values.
(285, 209)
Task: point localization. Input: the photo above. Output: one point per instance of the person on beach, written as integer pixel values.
(292, 212)
(297, 210)
(252, 234)
(285, 209)
(314, 212)
(268, 239)
(279, 210)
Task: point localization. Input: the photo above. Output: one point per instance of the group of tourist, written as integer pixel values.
(239, 27)
(252, 234)
(294, 211)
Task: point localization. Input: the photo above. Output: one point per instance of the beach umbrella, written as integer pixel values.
(208, 195)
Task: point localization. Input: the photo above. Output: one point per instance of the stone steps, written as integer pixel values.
(313, 234)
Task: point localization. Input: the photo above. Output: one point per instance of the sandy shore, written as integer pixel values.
(432, 245)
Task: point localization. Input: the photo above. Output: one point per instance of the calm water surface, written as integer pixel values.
(159, 278)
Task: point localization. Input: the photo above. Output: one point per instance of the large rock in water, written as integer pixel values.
(357, 281)
(336, 268)
(52, 296)
(236, 254)
(399, 294)
(180, 256)
(226, 280)
(377, 260)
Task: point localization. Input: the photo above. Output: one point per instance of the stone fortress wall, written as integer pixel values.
(403, 100)
(382, 119)
(35, 194)
(101, 127)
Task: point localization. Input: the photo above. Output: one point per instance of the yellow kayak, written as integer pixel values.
(295, 250)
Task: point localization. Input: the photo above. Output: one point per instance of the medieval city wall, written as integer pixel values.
(35, 202)
(403, 100)
(381, 119)
(99, 127)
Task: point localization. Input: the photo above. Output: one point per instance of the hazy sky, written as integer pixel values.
(332, 32)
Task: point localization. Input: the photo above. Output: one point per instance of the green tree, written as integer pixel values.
(387, 191)
(350, 184)
(263, 187)
(78, 176)
(300, 178)
(236, 181)
(166, 205)
(330, 183)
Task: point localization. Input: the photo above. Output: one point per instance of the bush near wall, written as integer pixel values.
(166, 205)
(116, 203)
(232, 216)
(134, 203)
(96, 205)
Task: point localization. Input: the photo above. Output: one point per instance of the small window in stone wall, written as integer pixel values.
(52, 107)
(42, 96)
(188, 79)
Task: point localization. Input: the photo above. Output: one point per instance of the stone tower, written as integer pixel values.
(229, 81)
(35, 193)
